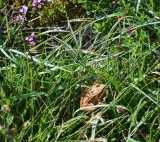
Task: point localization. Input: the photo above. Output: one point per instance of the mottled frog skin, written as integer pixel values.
(93, 96)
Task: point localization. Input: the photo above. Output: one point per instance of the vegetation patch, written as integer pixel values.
(79, 70)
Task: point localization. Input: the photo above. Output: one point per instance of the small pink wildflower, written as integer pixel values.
(37, 3)
(130, 31)
(23, 9)
(32, 39)
(21, 18)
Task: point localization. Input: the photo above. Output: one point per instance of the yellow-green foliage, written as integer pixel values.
(62, 9)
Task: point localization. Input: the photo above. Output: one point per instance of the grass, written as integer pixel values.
(42, 84)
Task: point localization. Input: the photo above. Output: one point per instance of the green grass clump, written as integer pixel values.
(41, 85)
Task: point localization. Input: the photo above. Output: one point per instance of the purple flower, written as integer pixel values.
(130, 31)
(32, 39)
(23, 9)
(37, 3)
(21, 18)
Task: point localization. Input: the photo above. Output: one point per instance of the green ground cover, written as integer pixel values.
(51, 51)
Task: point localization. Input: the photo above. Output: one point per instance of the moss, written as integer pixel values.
(65, 9)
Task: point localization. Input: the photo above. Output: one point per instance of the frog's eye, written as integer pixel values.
(97, 85)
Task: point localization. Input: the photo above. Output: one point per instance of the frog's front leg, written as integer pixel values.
(89, 109)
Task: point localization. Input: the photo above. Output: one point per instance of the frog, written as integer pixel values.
(92, 96)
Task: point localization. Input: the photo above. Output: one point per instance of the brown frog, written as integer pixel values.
(93, 96)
